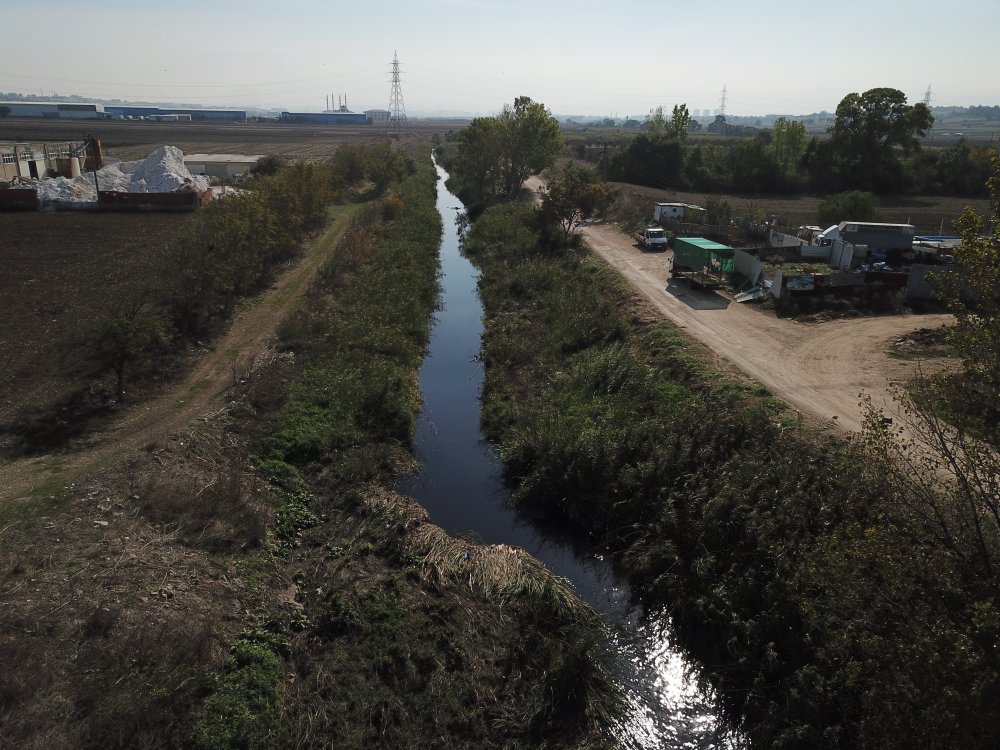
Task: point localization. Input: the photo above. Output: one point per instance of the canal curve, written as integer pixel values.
(460, 484)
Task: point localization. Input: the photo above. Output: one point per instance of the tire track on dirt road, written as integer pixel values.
(250, 337)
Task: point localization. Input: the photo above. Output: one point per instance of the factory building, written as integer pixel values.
(377, 115)
(55, 110)
(325, 118)
(161, 113)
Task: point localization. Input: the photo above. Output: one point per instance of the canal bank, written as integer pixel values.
(461, 486)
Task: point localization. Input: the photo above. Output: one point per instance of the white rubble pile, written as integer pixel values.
(163, 171)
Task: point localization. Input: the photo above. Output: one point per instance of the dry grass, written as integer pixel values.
(116, 594)
(497, 572)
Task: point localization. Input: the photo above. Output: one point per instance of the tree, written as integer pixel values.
(854, 205)
(948, 473)
(680, 123)
(530, 141)
(752, 167)
(871, 131)
(124, 336)
(497, 154)
(574, 195)
(788, 145)
(266, 165)
(973, 297)
(718, 126)
(4, 111)
(656, 122)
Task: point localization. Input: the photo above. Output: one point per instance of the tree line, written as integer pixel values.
(873, 145)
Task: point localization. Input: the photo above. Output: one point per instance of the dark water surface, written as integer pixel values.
(461, 486)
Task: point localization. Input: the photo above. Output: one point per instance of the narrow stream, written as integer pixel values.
(461, 487)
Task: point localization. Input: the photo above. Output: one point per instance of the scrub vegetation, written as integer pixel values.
(253, 581)
(406, 636)
(794, 568)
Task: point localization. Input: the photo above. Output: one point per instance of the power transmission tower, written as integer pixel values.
(397, 112)
(722, 101)
(927, 96)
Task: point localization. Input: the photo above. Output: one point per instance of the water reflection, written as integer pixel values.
(461, 486)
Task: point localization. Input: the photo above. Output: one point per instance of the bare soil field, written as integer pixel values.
(242, 349)
(929, 214)
(130, 139)
(56, 269)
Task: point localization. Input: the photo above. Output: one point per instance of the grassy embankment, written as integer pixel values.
(403, 636)
(253, 582)
(817, 617)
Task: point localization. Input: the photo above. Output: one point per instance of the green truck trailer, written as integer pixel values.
(702, 261)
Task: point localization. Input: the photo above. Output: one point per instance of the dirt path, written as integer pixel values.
(820, 369)
(199, 394)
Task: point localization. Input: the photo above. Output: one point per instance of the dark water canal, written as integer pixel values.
(462, 488)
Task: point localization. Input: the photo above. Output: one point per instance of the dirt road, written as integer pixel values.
(820, 369)
(197, 395)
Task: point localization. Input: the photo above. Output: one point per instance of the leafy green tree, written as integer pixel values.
(530, 141)
(752, 166)
(718, 126)
(853, 205)
(870, 133)
(788, 145)
(497, 154)
(648, 160)
(680, 123)
(385, 166)
(573, 195)
(266, 165)
(973, 297)
(477, 164)
(707, 168)
(655, 158)
(717, 210)
(655, 123)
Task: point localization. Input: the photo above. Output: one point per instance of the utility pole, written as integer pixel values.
(397, 112)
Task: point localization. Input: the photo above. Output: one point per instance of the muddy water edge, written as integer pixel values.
(461, 485)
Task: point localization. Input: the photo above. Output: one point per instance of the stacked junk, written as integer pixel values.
(160, 182)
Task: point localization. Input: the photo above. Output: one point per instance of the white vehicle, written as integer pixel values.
(652, 238)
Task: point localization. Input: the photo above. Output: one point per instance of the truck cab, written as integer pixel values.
(652, 238)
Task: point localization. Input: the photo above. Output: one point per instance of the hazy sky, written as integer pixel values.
(471, 56)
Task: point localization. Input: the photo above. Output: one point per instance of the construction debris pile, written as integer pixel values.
(163, 171)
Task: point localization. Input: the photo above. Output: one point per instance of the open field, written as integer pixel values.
(929, 214)
(56, 267)
(134, 139)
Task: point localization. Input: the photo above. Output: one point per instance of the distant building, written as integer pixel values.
(326, 118)
(163, 113)
(55, 110)
(377, 115)
(225, 166)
